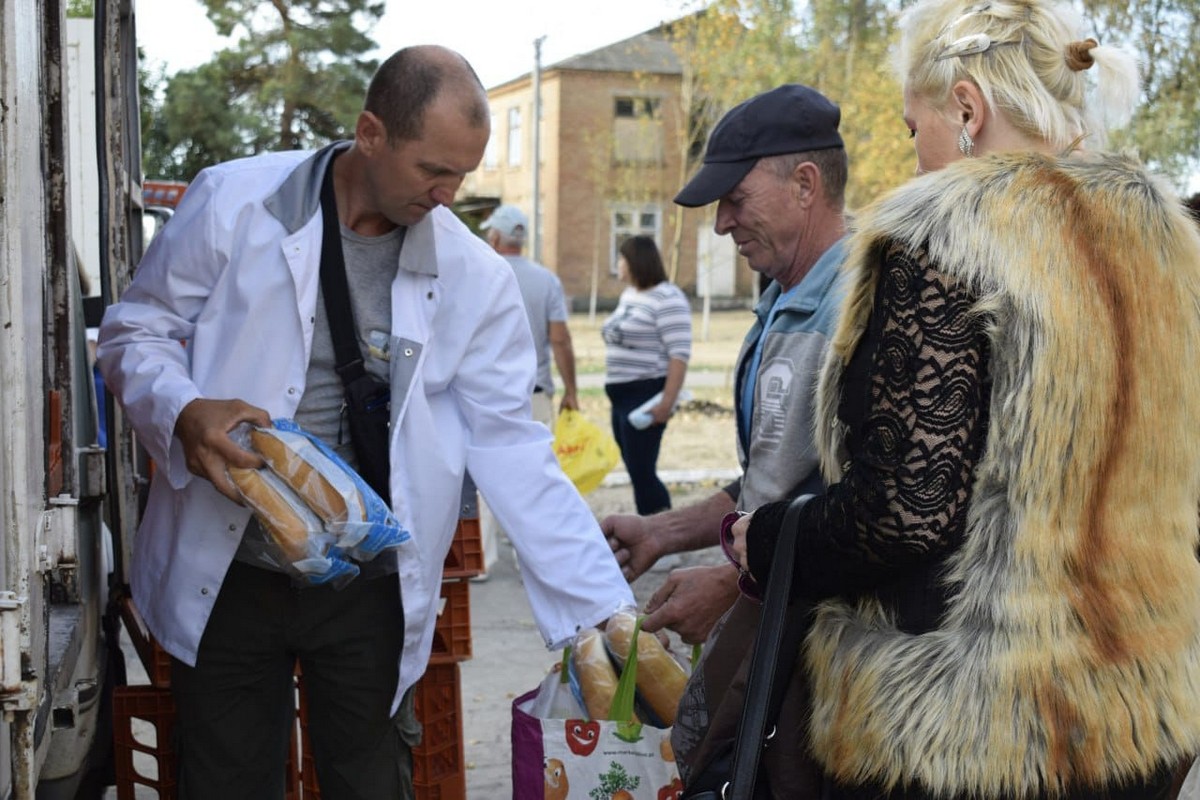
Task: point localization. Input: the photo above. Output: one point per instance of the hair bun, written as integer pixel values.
(1079, 55)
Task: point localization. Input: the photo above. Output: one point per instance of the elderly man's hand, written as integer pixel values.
(692, 600)
(203, 428)
(634, 540)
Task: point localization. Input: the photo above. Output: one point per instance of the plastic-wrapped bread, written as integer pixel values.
(595, 672)
(660, 678)
(360, 520)
(296, 540)
(321, 483)
(287, 524)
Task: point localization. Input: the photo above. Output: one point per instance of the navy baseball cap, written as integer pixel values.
(788, 119)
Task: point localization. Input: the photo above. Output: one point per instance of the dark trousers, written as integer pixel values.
(235, 709)
(639, 449)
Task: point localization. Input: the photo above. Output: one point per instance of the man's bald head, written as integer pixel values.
(407, 83)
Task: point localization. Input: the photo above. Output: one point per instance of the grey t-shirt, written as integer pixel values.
(371, 264)
(544, 303)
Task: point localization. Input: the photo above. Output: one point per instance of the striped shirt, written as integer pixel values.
(648, 328)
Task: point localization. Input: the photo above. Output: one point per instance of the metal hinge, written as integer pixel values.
(93, 473)
(10, 645)
(60, 532)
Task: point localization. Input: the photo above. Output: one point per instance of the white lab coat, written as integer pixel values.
(234, 276)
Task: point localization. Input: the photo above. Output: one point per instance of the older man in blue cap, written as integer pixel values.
(776, 167)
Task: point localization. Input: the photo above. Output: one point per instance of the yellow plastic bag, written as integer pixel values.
(585, 451)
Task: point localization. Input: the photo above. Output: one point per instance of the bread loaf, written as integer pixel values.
(291, 458)
(275, 512)
(660, 678)
(597, 678)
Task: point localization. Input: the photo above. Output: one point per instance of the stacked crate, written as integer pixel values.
(143, 754)
(439, 764)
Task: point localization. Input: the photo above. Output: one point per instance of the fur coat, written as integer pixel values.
(1069, 655)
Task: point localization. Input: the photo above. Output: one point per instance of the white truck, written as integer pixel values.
(69, 505)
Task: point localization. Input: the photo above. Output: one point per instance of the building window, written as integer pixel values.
(491, 154)
(631, 220)
(514, 137)
(637, 130)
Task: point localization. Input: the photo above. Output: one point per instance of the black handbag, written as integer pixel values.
(733, 772)
(366, 409)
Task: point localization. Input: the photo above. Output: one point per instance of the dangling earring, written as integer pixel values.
(966, 145)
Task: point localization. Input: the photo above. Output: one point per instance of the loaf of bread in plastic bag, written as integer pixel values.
(597, 677)
(321, 483)
(660, 678)
(285, 522)
(350, 509)
(296, 540)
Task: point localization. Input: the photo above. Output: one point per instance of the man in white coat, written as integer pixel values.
(224, 324)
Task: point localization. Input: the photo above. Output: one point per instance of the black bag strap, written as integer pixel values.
(335, 289)
(775, 649)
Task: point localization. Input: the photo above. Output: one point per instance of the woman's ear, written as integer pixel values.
(968, 107)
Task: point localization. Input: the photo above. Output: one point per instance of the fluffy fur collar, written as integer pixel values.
(1070, 653)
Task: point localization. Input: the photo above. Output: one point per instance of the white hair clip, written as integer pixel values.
(970, 45)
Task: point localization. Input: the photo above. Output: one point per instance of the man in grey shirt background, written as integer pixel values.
(506, 231)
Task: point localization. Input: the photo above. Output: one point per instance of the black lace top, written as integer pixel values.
(914, 400)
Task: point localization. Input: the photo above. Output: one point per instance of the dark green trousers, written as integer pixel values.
(235, 708)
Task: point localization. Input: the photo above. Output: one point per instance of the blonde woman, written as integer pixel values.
(1004, 567)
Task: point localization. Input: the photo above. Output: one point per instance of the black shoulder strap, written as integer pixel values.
(775, 649)
(335, 289)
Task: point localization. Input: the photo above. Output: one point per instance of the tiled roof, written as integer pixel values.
(650, 52)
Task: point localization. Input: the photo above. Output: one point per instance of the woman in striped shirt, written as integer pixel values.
(648, 342)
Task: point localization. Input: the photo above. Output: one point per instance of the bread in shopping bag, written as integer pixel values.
(596, 674)
(660, 678)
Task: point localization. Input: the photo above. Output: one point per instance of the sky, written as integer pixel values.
(496, 37)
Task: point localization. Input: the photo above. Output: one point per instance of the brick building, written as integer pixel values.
(612, 154)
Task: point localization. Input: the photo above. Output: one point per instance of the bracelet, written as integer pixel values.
(727, 535)
(746, 583)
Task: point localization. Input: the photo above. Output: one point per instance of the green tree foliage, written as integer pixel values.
(847, 45)
(729, 50)
(295, 79)
(81, 8)
(1165, 34)
(735, 49)
(158, 158)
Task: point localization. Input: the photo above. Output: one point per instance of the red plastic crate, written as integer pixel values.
(465, 559)
(437, 703)
(133, 753)
(452, 631)
(310, 789)
(155, 660)
(452, 788)
(438, 762)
